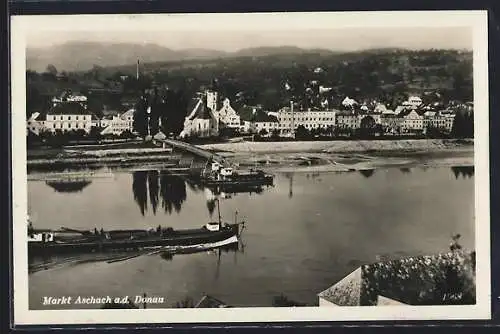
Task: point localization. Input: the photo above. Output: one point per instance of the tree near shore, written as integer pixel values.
(174, 112)
(463, 125)
(140, 124)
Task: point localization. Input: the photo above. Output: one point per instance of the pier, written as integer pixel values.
(198, 152)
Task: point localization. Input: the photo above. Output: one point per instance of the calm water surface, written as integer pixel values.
(303, 235)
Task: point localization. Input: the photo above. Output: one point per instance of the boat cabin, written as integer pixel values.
(215, 166)
(41, 237)
(213, 226)
(226, 171)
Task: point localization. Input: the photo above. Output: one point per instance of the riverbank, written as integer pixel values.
(274, 156)
(348, 155)
(426, 145)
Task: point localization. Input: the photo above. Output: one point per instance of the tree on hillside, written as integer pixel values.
(51, 69)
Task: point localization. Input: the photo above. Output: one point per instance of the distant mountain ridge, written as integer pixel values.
(82, 56)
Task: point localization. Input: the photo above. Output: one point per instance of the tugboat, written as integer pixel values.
(65, 240)
(215, 174)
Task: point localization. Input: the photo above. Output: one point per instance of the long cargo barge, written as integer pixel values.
(45, 242)
(61, 241)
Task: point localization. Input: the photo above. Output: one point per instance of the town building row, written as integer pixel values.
(207, 117)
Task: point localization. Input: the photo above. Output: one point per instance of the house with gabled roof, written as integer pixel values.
(413, 120)
(349, 103)
(117, 124)
(201, 120)
(227, 116)
(34, 124)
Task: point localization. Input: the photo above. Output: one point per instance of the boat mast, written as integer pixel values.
(218, 211)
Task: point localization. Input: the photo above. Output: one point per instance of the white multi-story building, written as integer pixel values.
(347, 120)
(439, 121)
(412, 121)
(266, 122)
(68, 116)
(117, 124)
(310, 119)
(227, 116)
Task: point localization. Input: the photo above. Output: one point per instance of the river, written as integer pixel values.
(302, 235)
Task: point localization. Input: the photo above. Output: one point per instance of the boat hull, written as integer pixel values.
(173, 239)
(264, 181)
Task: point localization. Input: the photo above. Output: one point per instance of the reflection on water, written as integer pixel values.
(169, 188)
(302, 235)
(42, 262)
(464, 171)
(69, 186)
(405, 170)
(367, 172)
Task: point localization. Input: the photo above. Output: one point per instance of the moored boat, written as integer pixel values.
(216, 174)
(64, 240)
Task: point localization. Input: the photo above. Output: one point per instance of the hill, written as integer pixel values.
(82, 56)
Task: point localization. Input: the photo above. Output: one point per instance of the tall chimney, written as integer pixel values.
(137, 70)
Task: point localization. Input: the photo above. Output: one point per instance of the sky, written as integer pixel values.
(231, 32)
(335, 39)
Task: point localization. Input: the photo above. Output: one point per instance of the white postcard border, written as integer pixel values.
(477, 20)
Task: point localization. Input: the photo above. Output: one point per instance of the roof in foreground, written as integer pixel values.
(210, 302)
(447, 278)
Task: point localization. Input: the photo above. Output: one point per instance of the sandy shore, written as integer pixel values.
(344, 146)
(338, 156)
(322, 156)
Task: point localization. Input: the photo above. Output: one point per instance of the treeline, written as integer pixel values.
(463, 125)
(167, 107)
(385, 75)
